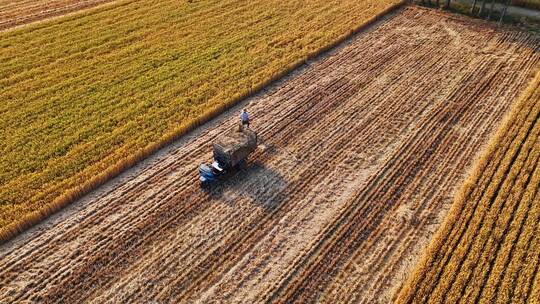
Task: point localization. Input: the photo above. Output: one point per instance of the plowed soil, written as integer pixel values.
(361, 153)
(20, 12)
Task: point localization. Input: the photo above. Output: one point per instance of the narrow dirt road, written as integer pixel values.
(363, 151)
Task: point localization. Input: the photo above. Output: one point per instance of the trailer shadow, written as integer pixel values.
(255, 182)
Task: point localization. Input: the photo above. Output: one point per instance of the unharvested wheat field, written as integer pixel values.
(488, 249)
(363, 150)
(84, 97)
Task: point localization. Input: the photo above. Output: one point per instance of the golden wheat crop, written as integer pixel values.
(488, 249)
(87, 96)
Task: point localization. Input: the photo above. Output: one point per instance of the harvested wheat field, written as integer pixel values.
(362, 150)
(488, 249)
(19, 12)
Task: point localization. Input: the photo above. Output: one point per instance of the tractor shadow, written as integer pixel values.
(255, 182)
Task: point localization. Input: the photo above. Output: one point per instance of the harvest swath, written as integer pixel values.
(365, 147)
(18, 12)
(488, 250)
(87, 96)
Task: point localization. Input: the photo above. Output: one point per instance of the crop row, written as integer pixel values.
(360, 232)
(488, 248)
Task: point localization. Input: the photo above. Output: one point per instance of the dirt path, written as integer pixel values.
(365, 148)
(21, 12)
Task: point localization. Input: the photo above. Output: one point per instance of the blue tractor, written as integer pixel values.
(230, 152)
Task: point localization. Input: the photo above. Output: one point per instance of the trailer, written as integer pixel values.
(230, 151)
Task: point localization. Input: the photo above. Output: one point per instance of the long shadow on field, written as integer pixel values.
(255, 183)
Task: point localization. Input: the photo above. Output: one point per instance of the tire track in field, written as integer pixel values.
(365, 146)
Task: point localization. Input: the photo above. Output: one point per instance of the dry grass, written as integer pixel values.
(89, 95)
(488, 249)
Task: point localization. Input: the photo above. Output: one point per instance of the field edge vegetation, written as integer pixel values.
(494, 212)
(28, 220)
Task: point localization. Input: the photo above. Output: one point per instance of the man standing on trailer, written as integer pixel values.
(244, 118)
